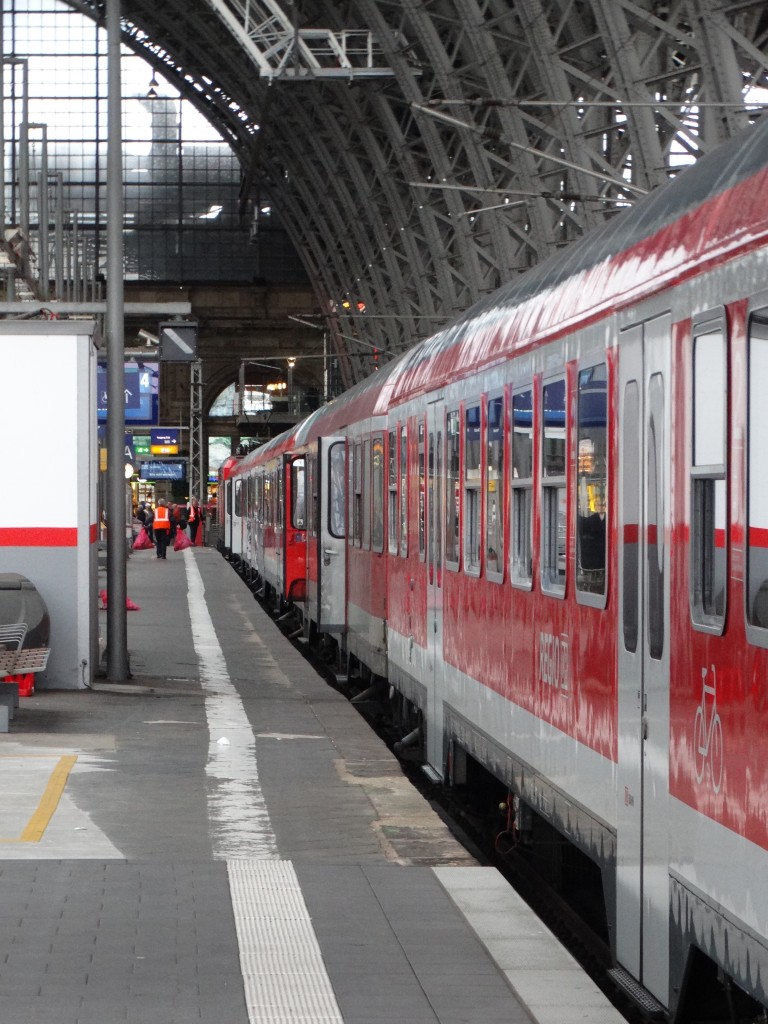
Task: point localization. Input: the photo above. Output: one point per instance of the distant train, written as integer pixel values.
(546, 528)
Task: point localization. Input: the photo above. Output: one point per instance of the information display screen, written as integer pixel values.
(157, 470)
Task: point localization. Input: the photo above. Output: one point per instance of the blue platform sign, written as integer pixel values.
(141, 392)
(130, 451)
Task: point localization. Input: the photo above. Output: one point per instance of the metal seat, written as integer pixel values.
(12, 636)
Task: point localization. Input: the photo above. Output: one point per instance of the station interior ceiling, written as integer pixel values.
(398, 161)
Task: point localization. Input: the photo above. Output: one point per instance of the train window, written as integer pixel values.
(630, 512)
(392, 506)
(337, 526)
(654, 518)
(351, 494)
(312, 505)
(403, 490)
(422, 495)
(494, 489)
(522, 488)
(267, 513)
(553, 491)
(377, 491)
(757, 481)
(238, 498)
(279, 490)
(591, 479)
(357, 495)
(708, 480)
(437, 519)
(366, 539)
(298, 495)
(472, 489)
(435, 506)
(452, 492)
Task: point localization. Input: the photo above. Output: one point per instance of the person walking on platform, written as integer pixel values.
(149, 522)
(193, 518)
(144, 514)
(162, 527)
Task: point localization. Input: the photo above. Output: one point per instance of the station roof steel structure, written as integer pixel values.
(423, 152)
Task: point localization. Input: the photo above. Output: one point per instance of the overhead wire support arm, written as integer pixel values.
(281, 51)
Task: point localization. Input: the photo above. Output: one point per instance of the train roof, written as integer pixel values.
(283, 442)
(708, 210)
(368, 398)
(229, 465)
(712, 208)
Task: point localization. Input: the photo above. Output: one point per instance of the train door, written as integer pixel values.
(226, 505)
(642, 935)
(295, 548)
(434, 546)
(258, 523)
(332, 535)
(280, 528)
(236, 522)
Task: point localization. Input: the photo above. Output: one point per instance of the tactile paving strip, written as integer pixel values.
(283, 971)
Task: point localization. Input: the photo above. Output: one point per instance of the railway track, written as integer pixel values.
(569, 914)
(561, 885)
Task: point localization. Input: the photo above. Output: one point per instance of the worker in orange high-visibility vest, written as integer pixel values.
(162, 527)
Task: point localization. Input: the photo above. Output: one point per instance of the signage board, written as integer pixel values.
(165, 441)
(178, 341)
(141, 392)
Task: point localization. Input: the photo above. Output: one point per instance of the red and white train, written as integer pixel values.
(547, 528)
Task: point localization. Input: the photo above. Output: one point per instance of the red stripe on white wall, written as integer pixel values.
(38, 536)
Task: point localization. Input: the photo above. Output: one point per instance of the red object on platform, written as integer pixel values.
(26, 683)
(130, 605)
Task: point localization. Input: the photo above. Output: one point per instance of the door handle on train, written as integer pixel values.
(327, 554)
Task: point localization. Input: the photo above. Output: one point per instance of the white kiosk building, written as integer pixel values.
(48, 515)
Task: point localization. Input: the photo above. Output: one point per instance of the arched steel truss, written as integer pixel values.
(506, 129)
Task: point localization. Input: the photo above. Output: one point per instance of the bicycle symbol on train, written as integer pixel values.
(708, 733)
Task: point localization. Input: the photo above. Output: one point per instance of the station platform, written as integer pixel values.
(223, 839)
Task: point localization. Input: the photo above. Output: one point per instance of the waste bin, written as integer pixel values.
(20, 601)
(21, 605)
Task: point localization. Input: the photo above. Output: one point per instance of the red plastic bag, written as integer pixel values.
(130, 605)
(182, 541)
(142, 542)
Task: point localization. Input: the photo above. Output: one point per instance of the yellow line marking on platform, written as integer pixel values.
(49, 801)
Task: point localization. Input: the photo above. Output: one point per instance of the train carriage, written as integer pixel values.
(595, 666)
(228, 509)
(273, 524)
(344, 445)
(557, 512)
